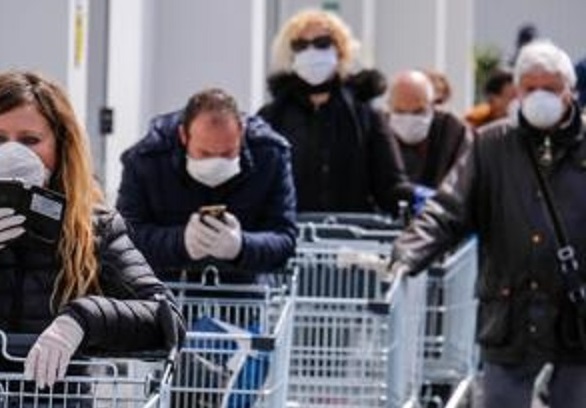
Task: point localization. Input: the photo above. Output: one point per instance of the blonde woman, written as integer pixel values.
(90, 289)
(343, 159)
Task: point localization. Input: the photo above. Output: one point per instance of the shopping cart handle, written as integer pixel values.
(169, 325)
(16, 344)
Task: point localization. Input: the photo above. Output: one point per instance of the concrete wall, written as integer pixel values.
(129, 80)
(202, 43)
(564, 21)
(31, 38)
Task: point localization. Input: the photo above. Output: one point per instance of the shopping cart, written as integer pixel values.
(450, 354)
(123, 382)
(242, 366)
(354, 344)
(366, 221)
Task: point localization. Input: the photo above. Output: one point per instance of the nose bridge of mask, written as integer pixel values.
(314, 56)
(315, 65)
(20, 162)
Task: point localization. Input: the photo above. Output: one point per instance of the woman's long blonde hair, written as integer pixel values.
(346, 44)
(73, 177)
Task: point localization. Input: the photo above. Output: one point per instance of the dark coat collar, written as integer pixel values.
(365, 85)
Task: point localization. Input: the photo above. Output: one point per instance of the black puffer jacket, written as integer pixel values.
(124, 318)
(343, 158)
(524, 313)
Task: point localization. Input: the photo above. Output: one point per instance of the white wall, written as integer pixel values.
(33, 35)
(49, 37)
(440, 38)
(97, 80)
(129, 81)
(563, 21)
(202, 43)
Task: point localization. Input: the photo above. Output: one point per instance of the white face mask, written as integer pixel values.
(542, 109)
(315, 66)
(213, 171)
(19, 162)
(411, 128)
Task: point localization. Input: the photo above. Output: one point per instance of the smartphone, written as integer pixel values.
(217, 211)
(46, 212)
(44, 209)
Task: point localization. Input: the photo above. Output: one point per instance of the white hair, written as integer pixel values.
(545, 56)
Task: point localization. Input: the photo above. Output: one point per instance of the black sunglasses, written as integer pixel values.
(321, 43)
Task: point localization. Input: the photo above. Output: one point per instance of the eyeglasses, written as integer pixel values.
(321, 43)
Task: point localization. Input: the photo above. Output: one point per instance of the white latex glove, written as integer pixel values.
(194, 230)
(224, 239)
(10, 225)
(396, 270)
(49, 357)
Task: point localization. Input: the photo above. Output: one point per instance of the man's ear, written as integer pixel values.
(182, 136)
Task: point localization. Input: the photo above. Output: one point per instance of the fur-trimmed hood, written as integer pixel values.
(365, 85)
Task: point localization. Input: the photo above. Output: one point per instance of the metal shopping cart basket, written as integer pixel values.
(450, 356)
(237, 348)
(125, 382)
(353, 346)
(128, 380)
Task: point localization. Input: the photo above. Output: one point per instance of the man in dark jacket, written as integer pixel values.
(430, 140)
(525, 317)
(207, 154)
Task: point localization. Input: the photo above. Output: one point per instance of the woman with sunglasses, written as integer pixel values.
(87, 289)
(343, 160)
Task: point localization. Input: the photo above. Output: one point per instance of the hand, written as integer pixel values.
(49, 357)
(194, 232)
(10, 226)
(223, 239)
(420, 196)
(395, 270)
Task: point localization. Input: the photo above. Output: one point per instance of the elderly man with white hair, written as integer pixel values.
(533, 255)
(430, 140)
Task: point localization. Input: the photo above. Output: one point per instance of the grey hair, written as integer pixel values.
(546, 56)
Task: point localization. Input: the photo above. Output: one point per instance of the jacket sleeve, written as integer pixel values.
(446, 218)
(389, 182)
(127, 317)
(163, 246)
(273, 242)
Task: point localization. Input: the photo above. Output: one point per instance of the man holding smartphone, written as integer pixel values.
(209, 183)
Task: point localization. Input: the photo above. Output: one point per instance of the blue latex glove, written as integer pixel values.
(420, 195)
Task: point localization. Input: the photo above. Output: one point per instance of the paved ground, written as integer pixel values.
(477, 400)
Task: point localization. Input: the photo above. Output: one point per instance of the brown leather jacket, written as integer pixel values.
(524, 313)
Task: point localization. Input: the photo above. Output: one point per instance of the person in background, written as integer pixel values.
(89, 288)
(430, 140)
(442, 90)
(501, 100)
(527, 316)
(526, 33)
(208, 153)
(343, 160)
